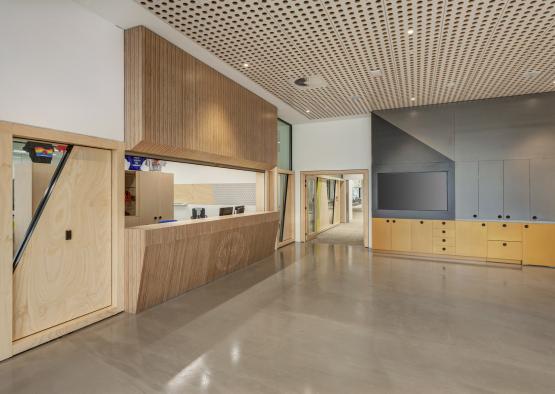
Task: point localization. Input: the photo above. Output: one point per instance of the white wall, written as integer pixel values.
(331, 145)
(61, 67)
(184, 173)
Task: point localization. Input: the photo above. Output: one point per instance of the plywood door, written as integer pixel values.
(400, 235)
(147, 196)
(381, 234)
(471, 239)
(538, 247)
(165, 195)
(422, 236)
(57, 279)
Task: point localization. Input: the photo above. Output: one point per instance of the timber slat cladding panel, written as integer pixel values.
(166, 260)
(177, 106)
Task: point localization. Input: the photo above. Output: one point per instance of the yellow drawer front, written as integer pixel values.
(504, 231)
(444, 249)
(444, 224)
(443, 232)
(449, 241)
(505, 250)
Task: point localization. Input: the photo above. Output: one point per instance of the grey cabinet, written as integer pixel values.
(466, 190)
(490, 189)
(516, 189)
(542, 189)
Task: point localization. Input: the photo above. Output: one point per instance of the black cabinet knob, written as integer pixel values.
(421, 222)
(525, 226)
(504, 225)
(387, 221)
(394, 221)
(508, 216)
(504, 244)
(443, 231)
(474, 216)
(443, 223)
(443, 248)
(483, 225)
(534, 217)
(443, 240)
(499, 216)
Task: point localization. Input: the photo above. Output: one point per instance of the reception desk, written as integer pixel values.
(163, 261)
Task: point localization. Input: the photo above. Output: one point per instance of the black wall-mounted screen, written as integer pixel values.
(412, 191)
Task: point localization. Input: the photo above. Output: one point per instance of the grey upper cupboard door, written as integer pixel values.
(490, 189)
(542, 193)
(466, 190)
(516, 189)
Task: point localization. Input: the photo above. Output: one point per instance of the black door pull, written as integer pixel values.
(68, 235)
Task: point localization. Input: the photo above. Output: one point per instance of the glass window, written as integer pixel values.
(284, 145)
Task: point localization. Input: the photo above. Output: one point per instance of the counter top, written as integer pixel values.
(179, 223)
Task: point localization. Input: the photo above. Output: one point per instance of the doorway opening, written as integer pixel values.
(335, 207)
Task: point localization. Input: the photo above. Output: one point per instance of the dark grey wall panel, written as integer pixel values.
(542, 190)
(521, 127)
(466, 190)
(516, 189)
(432, 125)
(490, 195)
(391, 145)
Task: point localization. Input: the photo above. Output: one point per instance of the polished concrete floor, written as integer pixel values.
(346, 233)
(318, 319)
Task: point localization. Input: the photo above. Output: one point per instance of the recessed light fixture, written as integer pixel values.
(413, 99)
(246, 65)
(355, 98)
(307, 111)
(410, 32)
(376, 73)
(451, 84)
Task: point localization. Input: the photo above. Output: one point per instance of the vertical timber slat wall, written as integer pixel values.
(178, 107)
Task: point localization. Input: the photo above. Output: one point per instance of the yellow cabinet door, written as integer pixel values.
(421, 236)
(400, 235)
(538, 246)
(472, 239)
(498, 231)
(381, 234)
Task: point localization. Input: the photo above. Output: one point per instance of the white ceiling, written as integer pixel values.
(460, 49)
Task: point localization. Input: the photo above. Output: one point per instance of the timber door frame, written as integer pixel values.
(9, 131)
(365, 197)
(290, 210)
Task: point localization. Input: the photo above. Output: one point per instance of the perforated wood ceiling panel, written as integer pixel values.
(460, 49)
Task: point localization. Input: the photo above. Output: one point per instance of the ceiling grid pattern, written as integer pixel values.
(460, 50)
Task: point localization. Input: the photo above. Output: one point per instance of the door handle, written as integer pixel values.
(69, 235)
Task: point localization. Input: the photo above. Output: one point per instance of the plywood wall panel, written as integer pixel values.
(164, 261)
(177, 106)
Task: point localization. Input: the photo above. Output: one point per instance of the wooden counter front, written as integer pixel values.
(163, 261)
